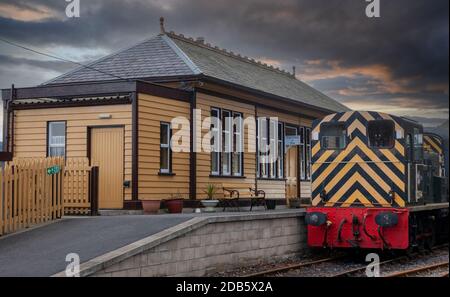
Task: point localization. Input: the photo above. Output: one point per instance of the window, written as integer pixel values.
(381, 133)
(215, 141)
(226, 143)
(165, 152)
(418, 145)
(333, 136)
(238, 144)
(56, 139)
(302, 154)
(270, 135)
(280, 159)
(308, 153)
(273, 131)
(262, 147)
(305, 153)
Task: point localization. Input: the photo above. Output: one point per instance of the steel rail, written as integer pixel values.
(290, 267)
(418, 270)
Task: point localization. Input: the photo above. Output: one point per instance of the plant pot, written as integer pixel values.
(151, 206)
(210, 205)
(175, 205)
(271, 204)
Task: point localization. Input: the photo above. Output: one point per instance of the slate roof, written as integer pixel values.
(172, 55)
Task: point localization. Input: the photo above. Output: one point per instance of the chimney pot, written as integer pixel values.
(161, 25)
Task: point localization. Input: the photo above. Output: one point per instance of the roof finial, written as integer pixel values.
(161, 25)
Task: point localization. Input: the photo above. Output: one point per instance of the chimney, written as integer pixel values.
(293, 71)
(161, 26)
(200, 40)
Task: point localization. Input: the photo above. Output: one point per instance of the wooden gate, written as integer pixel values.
(80, 187)
(30, 193)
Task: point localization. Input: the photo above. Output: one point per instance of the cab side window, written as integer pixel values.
(333, 136)
(381, 134)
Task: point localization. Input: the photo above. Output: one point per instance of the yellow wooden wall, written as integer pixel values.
(152, 111)
(30, 130)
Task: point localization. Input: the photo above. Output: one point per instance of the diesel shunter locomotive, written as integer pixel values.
(378, 182)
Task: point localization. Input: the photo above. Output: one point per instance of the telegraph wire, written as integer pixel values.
(58, 58)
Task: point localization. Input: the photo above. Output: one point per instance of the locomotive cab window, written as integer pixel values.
(381, 133)
(333, 136)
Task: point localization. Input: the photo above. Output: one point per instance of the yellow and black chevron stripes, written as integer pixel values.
(359, 175)
(432, 143)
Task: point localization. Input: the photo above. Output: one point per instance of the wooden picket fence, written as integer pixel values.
(79, 187)
(29, 195)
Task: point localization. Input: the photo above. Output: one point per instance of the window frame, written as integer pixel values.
(271, 170)
(238, 135)
(218, 137)
(344, 135)
(369, 143)
(308, 157)
(281, 151)
(262, 137)
(49, 145)
(227, 134)
(231, 134)
(165, 146)
(302, 154)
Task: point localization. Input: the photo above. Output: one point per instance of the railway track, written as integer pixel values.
(350, 272)
(287, 268)
(346, 273)
(417, 271)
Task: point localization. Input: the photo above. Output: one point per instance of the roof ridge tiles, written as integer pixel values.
(229, 53)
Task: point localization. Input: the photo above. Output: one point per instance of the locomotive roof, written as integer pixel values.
(405, 123)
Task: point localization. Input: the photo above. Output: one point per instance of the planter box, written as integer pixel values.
(174, 205)
(210, 205)
(151, 206)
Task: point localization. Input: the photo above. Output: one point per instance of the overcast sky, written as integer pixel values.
(397, 63)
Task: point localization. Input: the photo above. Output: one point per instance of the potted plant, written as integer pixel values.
(175, 203)
(209, 203)
(151, 206)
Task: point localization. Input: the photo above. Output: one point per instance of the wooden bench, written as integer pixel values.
(232, 195)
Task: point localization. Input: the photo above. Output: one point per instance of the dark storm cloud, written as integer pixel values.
(403, 54)
(59, 66)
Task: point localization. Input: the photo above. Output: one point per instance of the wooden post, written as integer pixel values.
(93, 192)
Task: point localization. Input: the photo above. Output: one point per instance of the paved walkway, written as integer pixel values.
(42, 251)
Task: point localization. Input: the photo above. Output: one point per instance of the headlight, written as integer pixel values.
(386, 219)
(315, 218)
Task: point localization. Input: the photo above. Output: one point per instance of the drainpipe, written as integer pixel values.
(6, 120)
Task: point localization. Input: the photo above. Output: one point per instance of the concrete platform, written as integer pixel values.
(206, 244)
(105, 240)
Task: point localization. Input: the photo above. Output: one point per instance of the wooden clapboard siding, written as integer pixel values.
(275, 189)
(205, 103)
(30, 131)
(305, 189)
(282, 117)
(152, 111)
